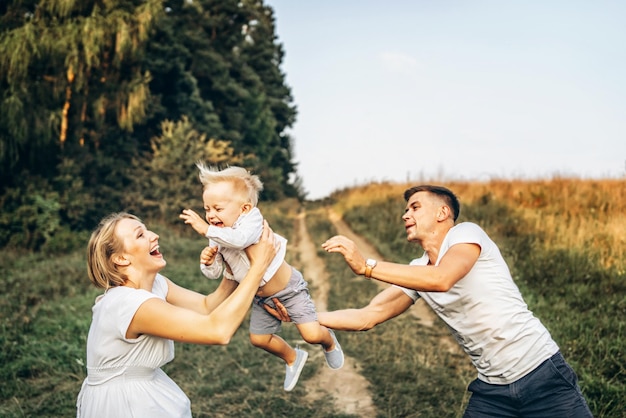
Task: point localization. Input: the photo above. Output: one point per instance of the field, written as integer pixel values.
(564, 239)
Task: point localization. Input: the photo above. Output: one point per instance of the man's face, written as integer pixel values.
(420, 215)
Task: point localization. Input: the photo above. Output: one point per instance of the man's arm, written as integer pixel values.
(454, 265)
(388, 304)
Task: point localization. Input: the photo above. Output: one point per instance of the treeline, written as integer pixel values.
(107, 105)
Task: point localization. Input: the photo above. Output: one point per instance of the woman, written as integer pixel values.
(142, 312)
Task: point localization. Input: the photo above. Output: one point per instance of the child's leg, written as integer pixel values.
(314, 333)
(263, 329)
(294, 358)
(275, 345)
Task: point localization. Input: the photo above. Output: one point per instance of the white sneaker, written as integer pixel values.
(334, 358)
(292, 373)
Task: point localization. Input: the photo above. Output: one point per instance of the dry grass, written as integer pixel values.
(573, 213)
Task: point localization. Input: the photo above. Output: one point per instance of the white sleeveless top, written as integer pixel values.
(124, 376)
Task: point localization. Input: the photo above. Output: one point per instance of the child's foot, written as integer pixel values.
(334, 358)
(292, 373)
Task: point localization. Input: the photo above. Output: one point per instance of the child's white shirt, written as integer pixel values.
(232, 241)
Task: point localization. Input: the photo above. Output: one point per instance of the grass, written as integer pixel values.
(563, 239)
(45, 312)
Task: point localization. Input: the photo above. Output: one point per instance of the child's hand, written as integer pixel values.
(207, 257)
(197, 223)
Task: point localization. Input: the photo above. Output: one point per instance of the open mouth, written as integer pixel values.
(155, 251)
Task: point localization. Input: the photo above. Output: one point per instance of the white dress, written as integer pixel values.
(124, 376)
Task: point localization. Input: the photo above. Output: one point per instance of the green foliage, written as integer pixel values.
(217, 63)
(30, 216)
(72, 73)
(86, 87)
(166, 180)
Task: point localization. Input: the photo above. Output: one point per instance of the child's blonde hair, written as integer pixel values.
(249, 185)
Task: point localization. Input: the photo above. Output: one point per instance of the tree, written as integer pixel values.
(234, 58)
(86, 85)
(71, 77)
(167, 178)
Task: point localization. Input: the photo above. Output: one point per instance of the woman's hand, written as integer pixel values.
(264, 251)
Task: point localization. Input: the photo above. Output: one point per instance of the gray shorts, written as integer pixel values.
(296, 299)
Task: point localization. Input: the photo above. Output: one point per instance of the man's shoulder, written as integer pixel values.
(467, 232)
(466, 227)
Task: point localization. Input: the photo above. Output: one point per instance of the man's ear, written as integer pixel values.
(120, 260)
(443, 213)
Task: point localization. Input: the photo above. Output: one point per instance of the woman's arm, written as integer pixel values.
(185, 298)
(166, 320)
(189, 299)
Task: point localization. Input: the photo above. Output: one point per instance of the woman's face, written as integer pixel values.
(141, 246)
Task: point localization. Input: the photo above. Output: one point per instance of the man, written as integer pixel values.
(464, 278)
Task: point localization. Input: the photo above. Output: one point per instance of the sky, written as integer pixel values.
(428, 90)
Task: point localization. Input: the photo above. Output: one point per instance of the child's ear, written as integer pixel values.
(247, 207)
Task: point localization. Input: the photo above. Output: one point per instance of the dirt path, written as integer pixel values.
(346, 386)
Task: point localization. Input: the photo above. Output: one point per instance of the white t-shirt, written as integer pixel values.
(486, 312)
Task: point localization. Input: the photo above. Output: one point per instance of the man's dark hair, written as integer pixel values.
(446, 194)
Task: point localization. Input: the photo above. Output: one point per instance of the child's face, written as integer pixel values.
(223, 204)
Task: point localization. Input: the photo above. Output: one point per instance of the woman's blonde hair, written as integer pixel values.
(103, 244)
(249, 185)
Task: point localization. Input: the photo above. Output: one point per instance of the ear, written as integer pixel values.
(120, 260)
(443, 213)
(246, 207)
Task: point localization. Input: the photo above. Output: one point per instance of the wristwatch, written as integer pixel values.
(369, 266)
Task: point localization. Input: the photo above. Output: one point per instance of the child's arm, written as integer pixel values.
(197, 223)
(211, 262)
(247, 231)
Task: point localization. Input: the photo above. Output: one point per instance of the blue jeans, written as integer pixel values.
(551, 390)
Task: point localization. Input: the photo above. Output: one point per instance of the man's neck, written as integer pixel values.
(432, 244)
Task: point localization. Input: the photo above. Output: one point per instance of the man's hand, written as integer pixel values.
(347, 248)
(280, 312)
(197, 223)
(207, 256)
